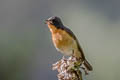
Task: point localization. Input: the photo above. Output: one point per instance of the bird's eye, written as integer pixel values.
(55, 21)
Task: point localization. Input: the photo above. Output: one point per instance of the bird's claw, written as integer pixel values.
(75, 66)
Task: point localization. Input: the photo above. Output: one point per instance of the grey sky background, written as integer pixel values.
(26, 49)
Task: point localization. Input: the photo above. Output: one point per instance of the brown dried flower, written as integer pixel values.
(67, 69)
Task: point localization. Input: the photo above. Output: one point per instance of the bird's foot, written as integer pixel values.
(74, 66)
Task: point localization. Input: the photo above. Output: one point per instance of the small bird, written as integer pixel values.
(65, 41)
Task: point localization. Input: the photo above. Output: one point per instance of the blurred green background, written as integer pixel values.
(26, 49)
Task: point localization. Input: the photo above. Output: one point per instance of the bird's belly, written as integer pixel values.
(64, 43)
(66, 50)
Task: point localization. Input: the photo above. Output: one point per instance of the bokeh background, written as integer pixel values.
(26, 49)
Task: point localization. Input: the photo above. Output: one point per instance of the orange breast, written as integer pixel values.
(61, 39)
(64, 42)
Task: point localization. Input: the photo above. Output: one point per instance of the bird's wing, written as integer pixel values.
(72, 35)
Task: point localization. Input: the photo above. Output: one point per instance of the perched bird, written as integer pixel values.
(65, 41)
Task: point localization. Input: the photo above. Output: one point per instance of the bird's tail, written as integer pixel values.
(87, 65)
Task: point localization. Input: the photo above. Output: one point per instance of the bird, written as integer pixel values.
(65, 41)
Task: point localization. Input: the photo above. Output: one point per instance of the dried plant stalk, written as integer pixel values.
(67, 69)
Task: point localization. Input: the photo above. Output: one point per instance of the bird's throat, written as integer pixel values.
(52, 28)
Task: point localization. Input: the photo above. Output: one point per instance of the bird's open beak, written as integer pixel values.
(48, 22)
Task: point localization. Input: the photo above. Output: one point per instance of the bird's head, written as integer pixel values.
(55, 21)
